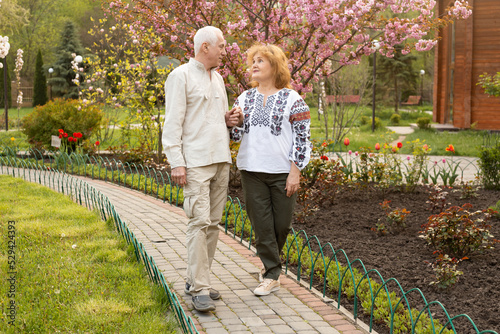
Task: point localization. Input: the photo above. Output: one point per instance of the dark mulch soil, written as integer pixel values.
(347, 225)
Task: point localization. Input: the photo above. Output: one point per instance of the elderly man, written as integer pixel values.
(196, 142)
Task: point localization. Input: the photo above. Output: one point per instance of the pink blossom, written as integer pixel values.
(310, 31)
(408, 158)
(444, 161)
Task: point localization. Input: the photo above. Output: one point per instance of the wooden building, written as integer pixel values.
(466, 50)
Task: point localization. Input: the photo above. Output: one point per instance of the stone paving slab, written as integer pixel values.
(293, 309)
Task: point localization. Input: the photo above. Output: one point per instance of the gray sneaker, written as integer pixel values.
(214, 294)
(203, 303)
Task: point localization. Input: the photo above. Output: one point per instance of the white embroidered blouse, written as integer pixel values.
(275, 135)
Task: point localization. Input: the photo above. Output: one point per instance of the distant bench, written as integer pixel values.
(413, 100)
(342, 99)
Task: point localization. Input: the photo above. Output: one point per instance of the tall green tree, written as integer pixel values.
(61, 81)
(397, 73)
(12, 17)
(40, 83)
(41, 25)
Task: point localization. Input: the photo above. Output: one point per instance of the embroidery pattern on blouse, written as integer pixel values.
(278, 111)
(299, 117)
(249, 106)
(259, 117)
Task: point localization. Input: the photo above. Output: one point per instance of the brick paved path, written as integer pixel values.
(293, 309)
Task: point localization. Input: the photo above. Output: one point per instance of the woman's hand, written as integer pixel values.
(234, 117)
(292, 181)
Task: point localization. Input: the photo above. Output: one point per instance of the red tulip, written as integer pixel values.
(346, 142)
(377, 146)
(70, 139)
(61, 131)
(450, 148)
(400, 144)
(97, 143)
(324, 157)
(65, 135)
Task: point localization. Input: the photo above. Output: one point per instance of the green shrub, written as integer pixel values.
(367, 122)
(459, 232)
(395, 118)
(424, 123)
(364, 120)
(45, 121)
(496, 208)
(489, 164)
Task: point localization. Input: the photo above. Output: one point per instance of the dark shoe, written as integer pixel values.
(214, 294)
(203, 303)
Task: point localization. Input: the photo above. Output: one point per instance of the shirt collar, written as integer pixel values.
(199, 65)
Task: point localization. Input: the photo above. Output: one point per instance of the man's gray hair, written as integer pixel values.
(206, 34)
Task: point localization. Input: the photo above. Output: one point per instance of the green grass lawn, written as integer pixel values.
(74, 274)
(466, 142)
(14, 139)
(14, 114)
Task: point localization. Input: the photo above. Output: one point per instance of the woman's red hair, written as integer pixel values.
(278, 60)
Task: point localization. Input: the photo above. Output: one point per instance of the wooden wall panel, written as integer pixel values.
(477, 50)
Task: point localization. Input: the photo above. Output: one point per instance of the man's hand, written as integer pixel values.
(178, 175)
(234, 117)
(292, 181)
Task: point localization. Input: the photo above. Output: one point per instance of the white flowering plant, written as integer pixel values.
(4, 48)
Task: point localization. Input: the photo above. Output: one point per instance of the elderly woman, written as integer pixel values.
(274, 135)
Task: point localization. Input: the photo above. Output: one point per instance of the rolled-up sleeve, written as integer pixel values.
(175, 113)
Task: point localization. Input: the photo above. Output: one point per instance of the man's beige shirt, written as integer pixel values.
(195, 132)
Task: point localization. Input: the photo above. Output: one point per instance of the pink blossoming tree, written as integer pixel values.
(318, 36)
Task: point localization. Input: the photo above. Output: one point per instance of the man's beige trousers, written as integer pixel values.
(205, 196)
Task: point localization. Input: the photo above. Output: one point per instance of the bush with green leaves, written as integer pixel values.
(459, 232)
(395, 119)
(445, 270)
(490, 83)
(363, 120)
(45, 121)
(367, 121)
(424, 123)
(489, 163)
(496, 208)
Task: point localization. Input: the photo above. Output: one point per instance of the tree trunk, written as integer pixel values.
(396, 92)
